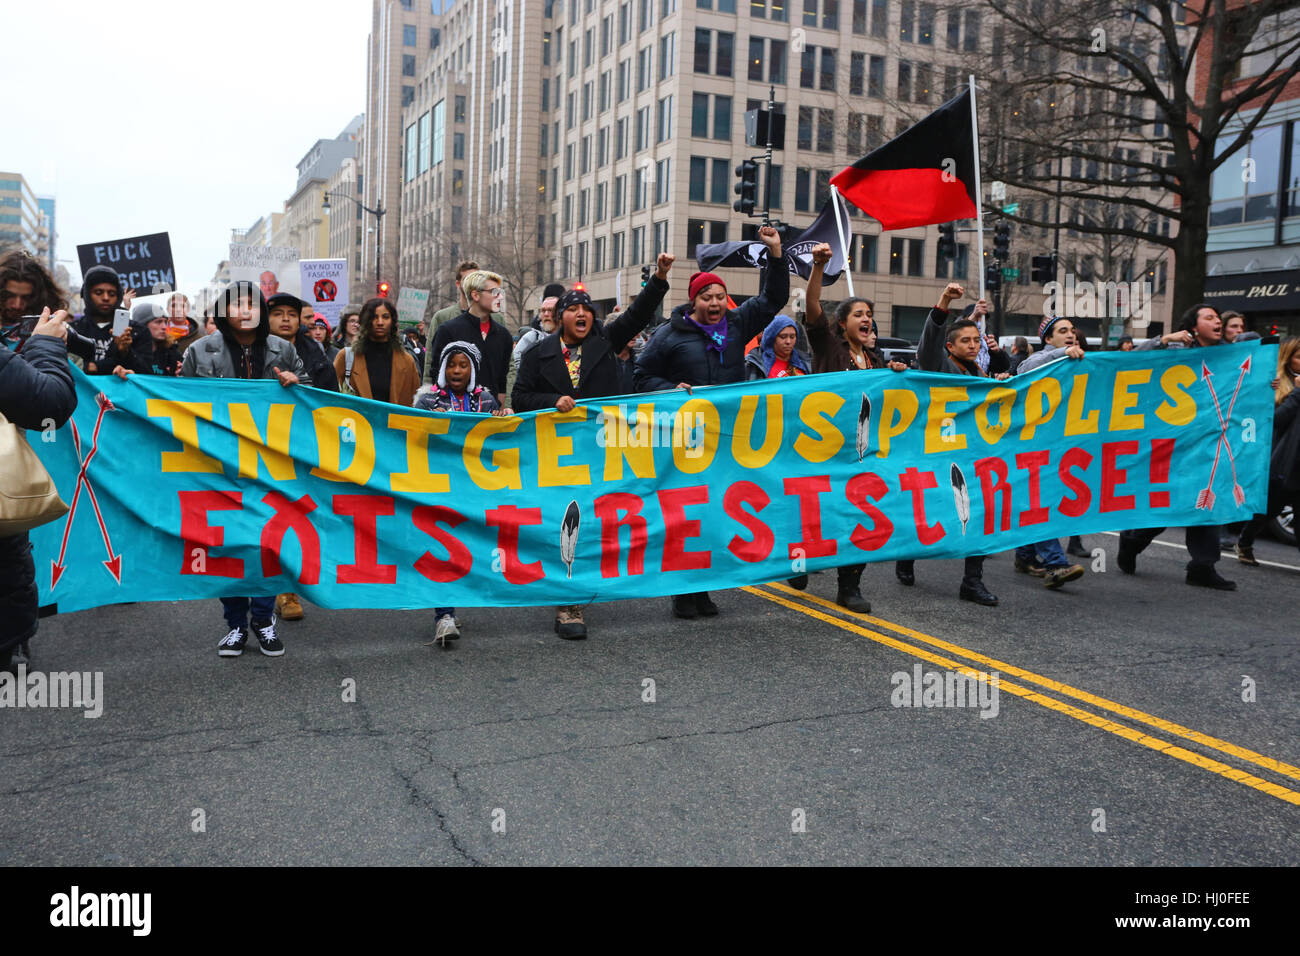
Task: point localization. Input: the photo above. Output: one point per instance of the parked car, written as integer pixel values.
(897, 349)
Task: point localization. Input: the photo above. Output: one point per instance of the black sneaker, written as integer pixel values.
(1207, 577)
(903, 571)
(799, 582)
(977, 592)
(271, 645)
(684, 606)
(232, 645)
(22, 655)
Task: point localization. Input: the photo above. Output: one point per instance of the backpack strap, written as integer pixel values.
(348, 356)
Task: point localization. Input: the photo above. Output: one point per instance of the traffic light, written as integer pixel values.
(947, 240)
(1043, 269)
(1002, 241)
(382, 290)
(746, 188)
(645, 276)
(992, 278)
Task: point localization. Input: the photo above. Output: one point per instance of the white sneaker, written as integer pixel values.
(446, 630)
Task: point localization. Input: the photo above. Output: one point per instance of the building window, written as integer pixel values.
(616, 251)
(723, 65)
(805, 136)
(699, 179)
(662, 184)
(624, 80)
(802, 180)
(722, 118)
(661, 237)
(408, 65)
(642, 129)
(721, 181)
(643, 69)
(639, 188)
(857, 70)
(600, 203)
(408, 95)
(460, 109)
(700, 115)
(667, 55)
(664, 125)
(703, 46)
(620, 195)
(408, 35)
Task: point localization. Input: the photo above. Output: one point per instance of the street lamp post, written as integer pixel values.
(378, 213)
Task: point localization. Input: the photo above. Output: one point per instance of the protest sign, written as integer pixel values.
(325, 286)
(258, 489)
(272, 268)
(411, 304)
(143, 262)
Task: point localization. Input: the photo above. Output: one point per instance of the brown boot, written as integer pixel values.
(568, 622)
(288, 607)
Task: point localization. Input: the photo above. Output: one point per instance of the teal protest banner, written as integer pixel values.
(194, 488)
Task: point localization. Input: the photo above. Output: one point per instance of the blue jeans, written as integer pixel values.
(1047, 553)
(236, 610)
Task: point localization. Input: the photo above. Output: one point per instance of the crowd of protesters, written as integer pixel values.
(466, 361)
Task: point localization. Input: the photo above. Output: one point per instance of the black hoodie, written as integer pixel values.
(106, 356)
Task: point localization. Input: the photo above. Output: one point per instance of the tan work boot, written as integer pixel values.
(568, 622)
(288, 607)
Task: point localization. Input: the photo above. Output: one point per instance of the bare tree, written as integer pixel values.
(505, 242)
(1098, 100)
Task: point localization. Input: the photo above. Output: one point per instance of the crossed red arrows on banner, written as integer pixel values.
(114, 562)
(1205, 498)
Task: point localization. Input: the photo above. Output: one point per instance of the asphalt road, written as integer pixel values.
(778, 711)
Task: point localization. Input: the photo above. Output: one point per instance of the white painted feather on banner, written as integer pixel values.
(960, 496)
(864, 426)
(569, 535)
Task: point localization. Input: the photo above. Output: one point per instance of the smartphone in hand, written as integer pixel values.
(121, 321)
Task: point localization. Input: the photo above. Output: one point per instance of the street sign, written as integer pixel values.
(998, 192)
(1011, 274)
(1011, 209)
(1116, 331)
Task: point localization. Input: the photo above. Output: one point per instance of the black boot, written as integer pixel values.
(849, 594)
(1204, 576)
(684, 606)
(973, 589)
(704, 604)
(903, 570)
(799, 582)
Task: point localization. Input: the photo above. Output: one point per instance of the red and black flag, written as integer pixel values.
(924, 175)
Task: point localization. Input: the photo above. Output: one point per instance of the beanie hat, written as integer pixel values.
(323, 322)
(553, 290)
(1045, 328)
(702, 280)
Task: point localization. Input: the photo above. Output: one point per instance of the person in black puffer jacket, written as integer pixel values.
(35, 387)
(704, 344)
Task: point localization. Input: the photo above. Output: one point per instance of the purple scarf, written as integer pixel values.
(717, 333)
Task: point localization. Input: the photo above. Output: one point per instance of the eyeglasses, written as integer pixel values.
(493, 291)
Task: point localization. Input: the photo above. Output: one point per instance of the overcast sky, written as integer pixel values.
(146, 116)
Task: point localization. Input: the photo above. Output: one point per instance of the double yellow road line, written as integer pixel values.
(961, 660)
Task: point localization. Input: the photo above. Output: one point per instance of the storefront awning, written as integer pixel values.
(1248, 292)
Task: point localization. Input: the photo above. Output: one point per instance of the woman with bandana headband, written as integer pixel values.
(579, 361)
